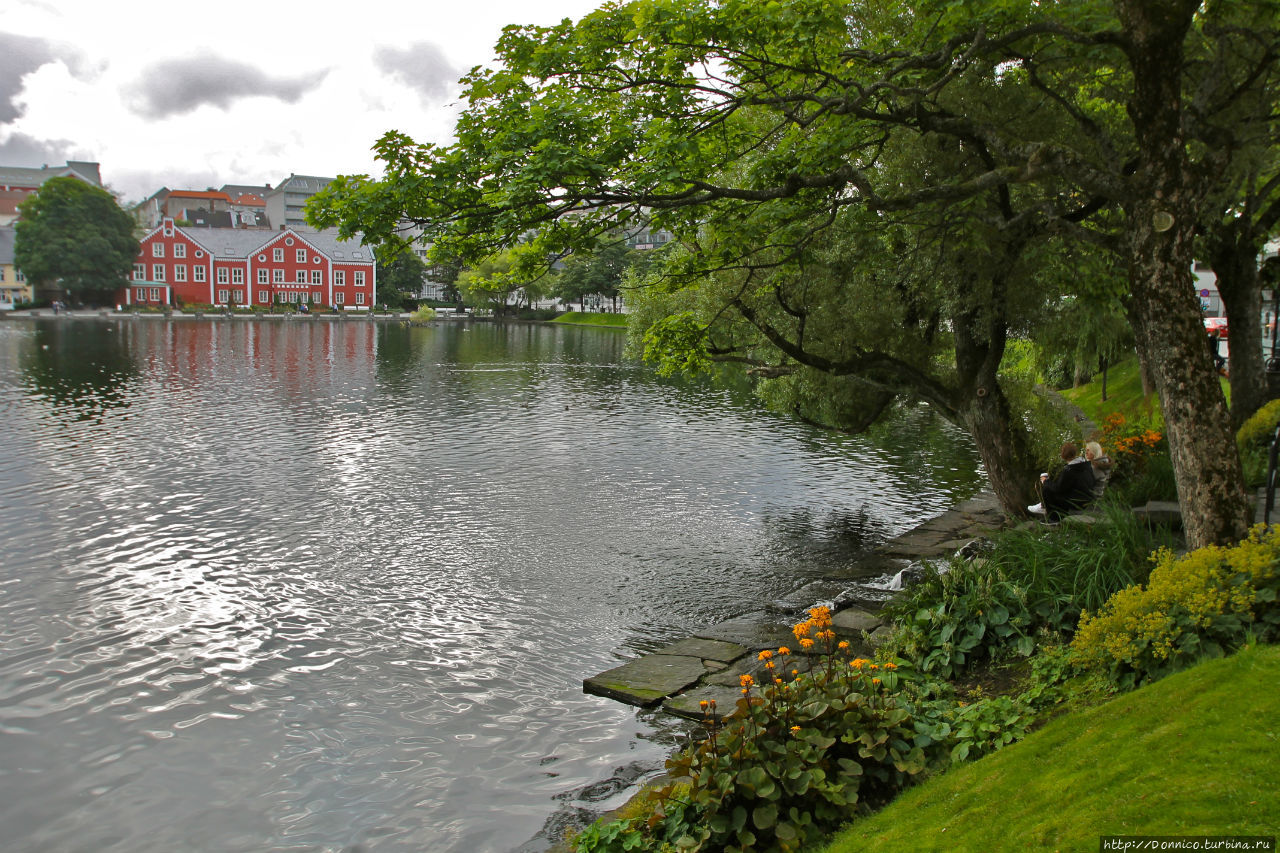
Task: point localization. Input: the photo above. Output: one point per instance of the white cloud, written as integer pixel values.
(247, 92)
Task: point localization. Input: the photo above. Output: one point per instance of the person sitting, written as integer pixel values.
(1071, 489)
(1101, 465)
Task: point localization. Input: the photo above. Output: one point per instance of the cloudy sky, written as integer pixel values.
(191, 96)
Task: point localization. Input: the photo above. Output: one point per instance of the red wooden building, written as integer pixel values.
(207, 266)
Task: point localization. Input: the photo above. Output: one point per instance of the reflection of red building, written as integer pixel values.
(204, 266)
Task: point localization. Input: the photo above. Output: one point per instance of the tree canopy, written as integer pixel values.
(75, 235)
(870, 198)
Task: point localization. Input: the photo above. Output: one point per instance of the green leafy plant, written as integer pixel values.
(951, 620)
(1202, 604)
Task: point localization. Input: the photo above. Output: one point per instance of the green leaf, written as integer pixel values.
(763, 817)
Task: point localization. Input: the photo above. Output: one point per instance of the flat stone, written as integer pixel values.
(853, 621)
(1160, 512)
(648, 680)
(700, 647)
(689, 705)
(880, 636)
(753, 632)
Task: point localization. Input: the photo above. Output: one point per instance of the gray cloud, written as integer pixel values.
(19, 149)
(19, 56)
(177, 86)
(421, 66)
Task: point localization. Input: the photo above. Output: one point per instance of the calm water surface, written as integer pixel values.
(315, 586)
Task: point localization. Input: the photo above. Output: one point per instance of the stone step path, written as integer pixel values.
(709, 665)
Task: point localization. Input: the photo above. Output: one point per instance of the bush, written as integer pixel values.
(950, 620)
(1204, 604)
(1259, 429)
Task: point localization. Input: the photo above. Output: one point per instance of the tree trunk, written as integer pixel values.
(1002, 444)
(1235, 263)
(1161, 213)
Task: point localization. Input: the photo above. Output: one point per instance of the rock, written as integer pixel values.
(648, 680)
(705, 649)
(852, 622)
(753, 631)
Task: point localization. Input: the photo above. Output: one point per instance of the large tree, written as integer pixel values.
(763, 124)
(74, 236)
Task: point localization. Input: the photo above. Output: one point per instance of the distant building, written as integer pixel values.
(13, 286)
(285, 202)
(17, 182)
(233, 206)
(241, 267)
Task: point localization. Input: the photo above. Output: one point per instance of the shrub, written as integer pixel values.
(1203, 604)
(1258, 430)
(950, 620)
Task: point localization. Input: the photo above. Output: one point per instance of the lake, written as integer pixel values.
(317, 585)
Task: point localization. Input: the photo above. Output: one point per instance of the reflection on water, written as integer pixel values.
(317, 585)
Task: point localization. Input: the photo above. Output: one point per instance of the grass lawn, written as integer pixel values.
(587, 318)
(1124, 394)
(1192, 754)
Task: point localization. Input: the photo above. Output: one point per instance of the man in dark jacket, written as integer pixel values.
(1071, 489)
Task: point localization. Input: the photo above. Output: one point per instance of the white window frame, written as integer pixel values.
(155, 294)
(277, 254)
(198, 273)
(301, 256)
(359, 297)
(223, 296)
(157, 272)
(316, 277)
(359, 278)
(300, 277)
(157, 249)
(337, 299)
(179, 250)
(264, 296)
(237, 276)
(262, 276)
(277, 276)
(179, 272)
(340, 278)
(223, 277)
(139, 272)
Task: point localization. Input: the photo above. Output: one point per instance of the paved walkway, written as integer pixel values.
(708, 665)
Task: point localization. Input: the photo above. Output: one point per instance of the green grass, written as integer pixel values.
(1192, 754)
(587, 318)
(1124, 394)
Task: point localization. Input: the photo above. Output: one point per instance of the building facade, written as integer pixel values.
(14, 288)
(285, 202)
(243, 268)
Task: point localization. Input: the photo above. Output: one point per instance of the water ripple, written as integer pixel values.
(316, 586)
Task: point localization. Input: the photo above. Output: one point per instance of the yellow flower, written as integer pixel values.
(806, 644)
(858, 663)
(783, 650)
(873, 666)
(765, 655)
(891, 665)
(795, 729)
(875, 681)
(702, 704)
(843, 645)
(802, 630)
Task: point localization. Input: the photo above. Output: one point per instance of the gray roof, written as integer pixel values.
(241, 243)
(24, 176)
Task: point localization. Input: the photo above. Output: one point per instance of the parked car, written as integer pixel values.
(1218, 324)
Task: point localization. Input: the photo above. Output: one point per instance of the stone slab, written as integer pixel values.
(699, 647)
(1160, 512)
(689, 705)
(755, 632)
(853, 621)
(648, 680)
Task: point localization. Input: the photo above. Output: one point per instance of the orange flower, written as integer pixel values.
(858, 663)
(875, 681)
(765, 655)
(806, 644)
(746, 680)
(843, 645)
(783, 650)
(891, 665)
